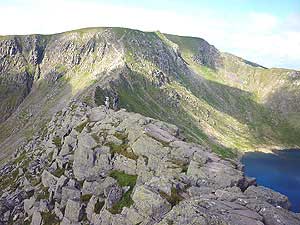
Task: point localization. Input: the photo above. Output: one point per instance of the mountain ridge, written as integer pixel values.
(147, 65)
(99, 166)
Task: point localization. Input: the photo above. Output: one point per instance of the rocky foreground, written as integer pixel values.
(98, 167)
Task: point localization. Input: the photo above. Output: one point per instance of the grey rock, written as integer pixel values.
(97, 114)
(90, 162)
(73, 211)
(199, 191)
(218, 174)
(103, 218)
(58, 212)
(276, 216)
(246, 182)
(6, 216)
(28, 205)
(113, 139)
(160, 184)
(124, 164)
(98, 187)
(230, 194)
(149, 203)
(268, 195)
(36, 218)
(132, 215)
(43, 205)
(48, 179)
(147, 146)
(114, 195)
(159, 134)
(90, 208)
(68, 146)
(69, 193)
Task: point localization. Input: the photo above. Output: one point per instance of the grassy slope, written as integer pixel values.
(244, 92)
(227, 109)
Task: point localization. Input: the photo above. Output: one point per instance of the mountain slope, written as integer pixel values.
(99, 166)
(217, 99)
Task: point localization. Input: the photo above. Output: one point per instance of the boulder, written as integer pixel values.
(159, 134)
(229, 194)
(68, 146)
(114, 195)
(246, 182)
(36, 218)
(170, 128)
(160, 184)
(28, 205)
(69, 193)
(277, 216)
(98, 188)
(49, 180)
(105, 217)
(73, 211)
(61, 182)
(268, 195)
(58, 212)
(147, 146)
(132, 215)
(97, 114)
(114, 140)
(149, 203)
(218, 174)
(122, 163)
(90, 208)
(43, 205)
(184, 214)
(89, 161)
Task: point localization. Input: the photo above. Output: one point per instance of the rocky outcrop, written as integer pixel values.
(19, 63)
(204, 53)
(124, 168)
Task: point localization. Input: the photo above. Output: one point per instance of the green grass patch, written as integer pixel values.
(59, 172)
(123, 180)
(223, 152)
(49, 218)
(20, 158)
(85, 198)
(175, 197)
(81, 126)
(98, 206)
(57, 142)
(42, 194)
(121, 136)
(180, 164)
(7, 181)
(122, 149)
(15, 174)
(33, 180)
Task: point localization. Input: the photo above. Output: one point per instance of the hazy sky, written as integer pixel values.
(263, 31)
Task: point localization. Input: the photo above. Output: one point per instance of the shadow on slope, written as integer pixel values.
(264, 123)
(31, 118)
(137, 94)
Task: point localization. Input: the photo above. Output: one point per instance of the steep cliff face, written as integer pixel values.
(41, 74)
(19, 60)
(217, 99)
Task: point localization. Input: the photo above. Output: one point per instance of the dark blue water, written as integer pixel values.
(279, 171)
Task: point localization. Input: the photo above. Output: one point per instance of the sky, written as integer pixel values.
(263, 31)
